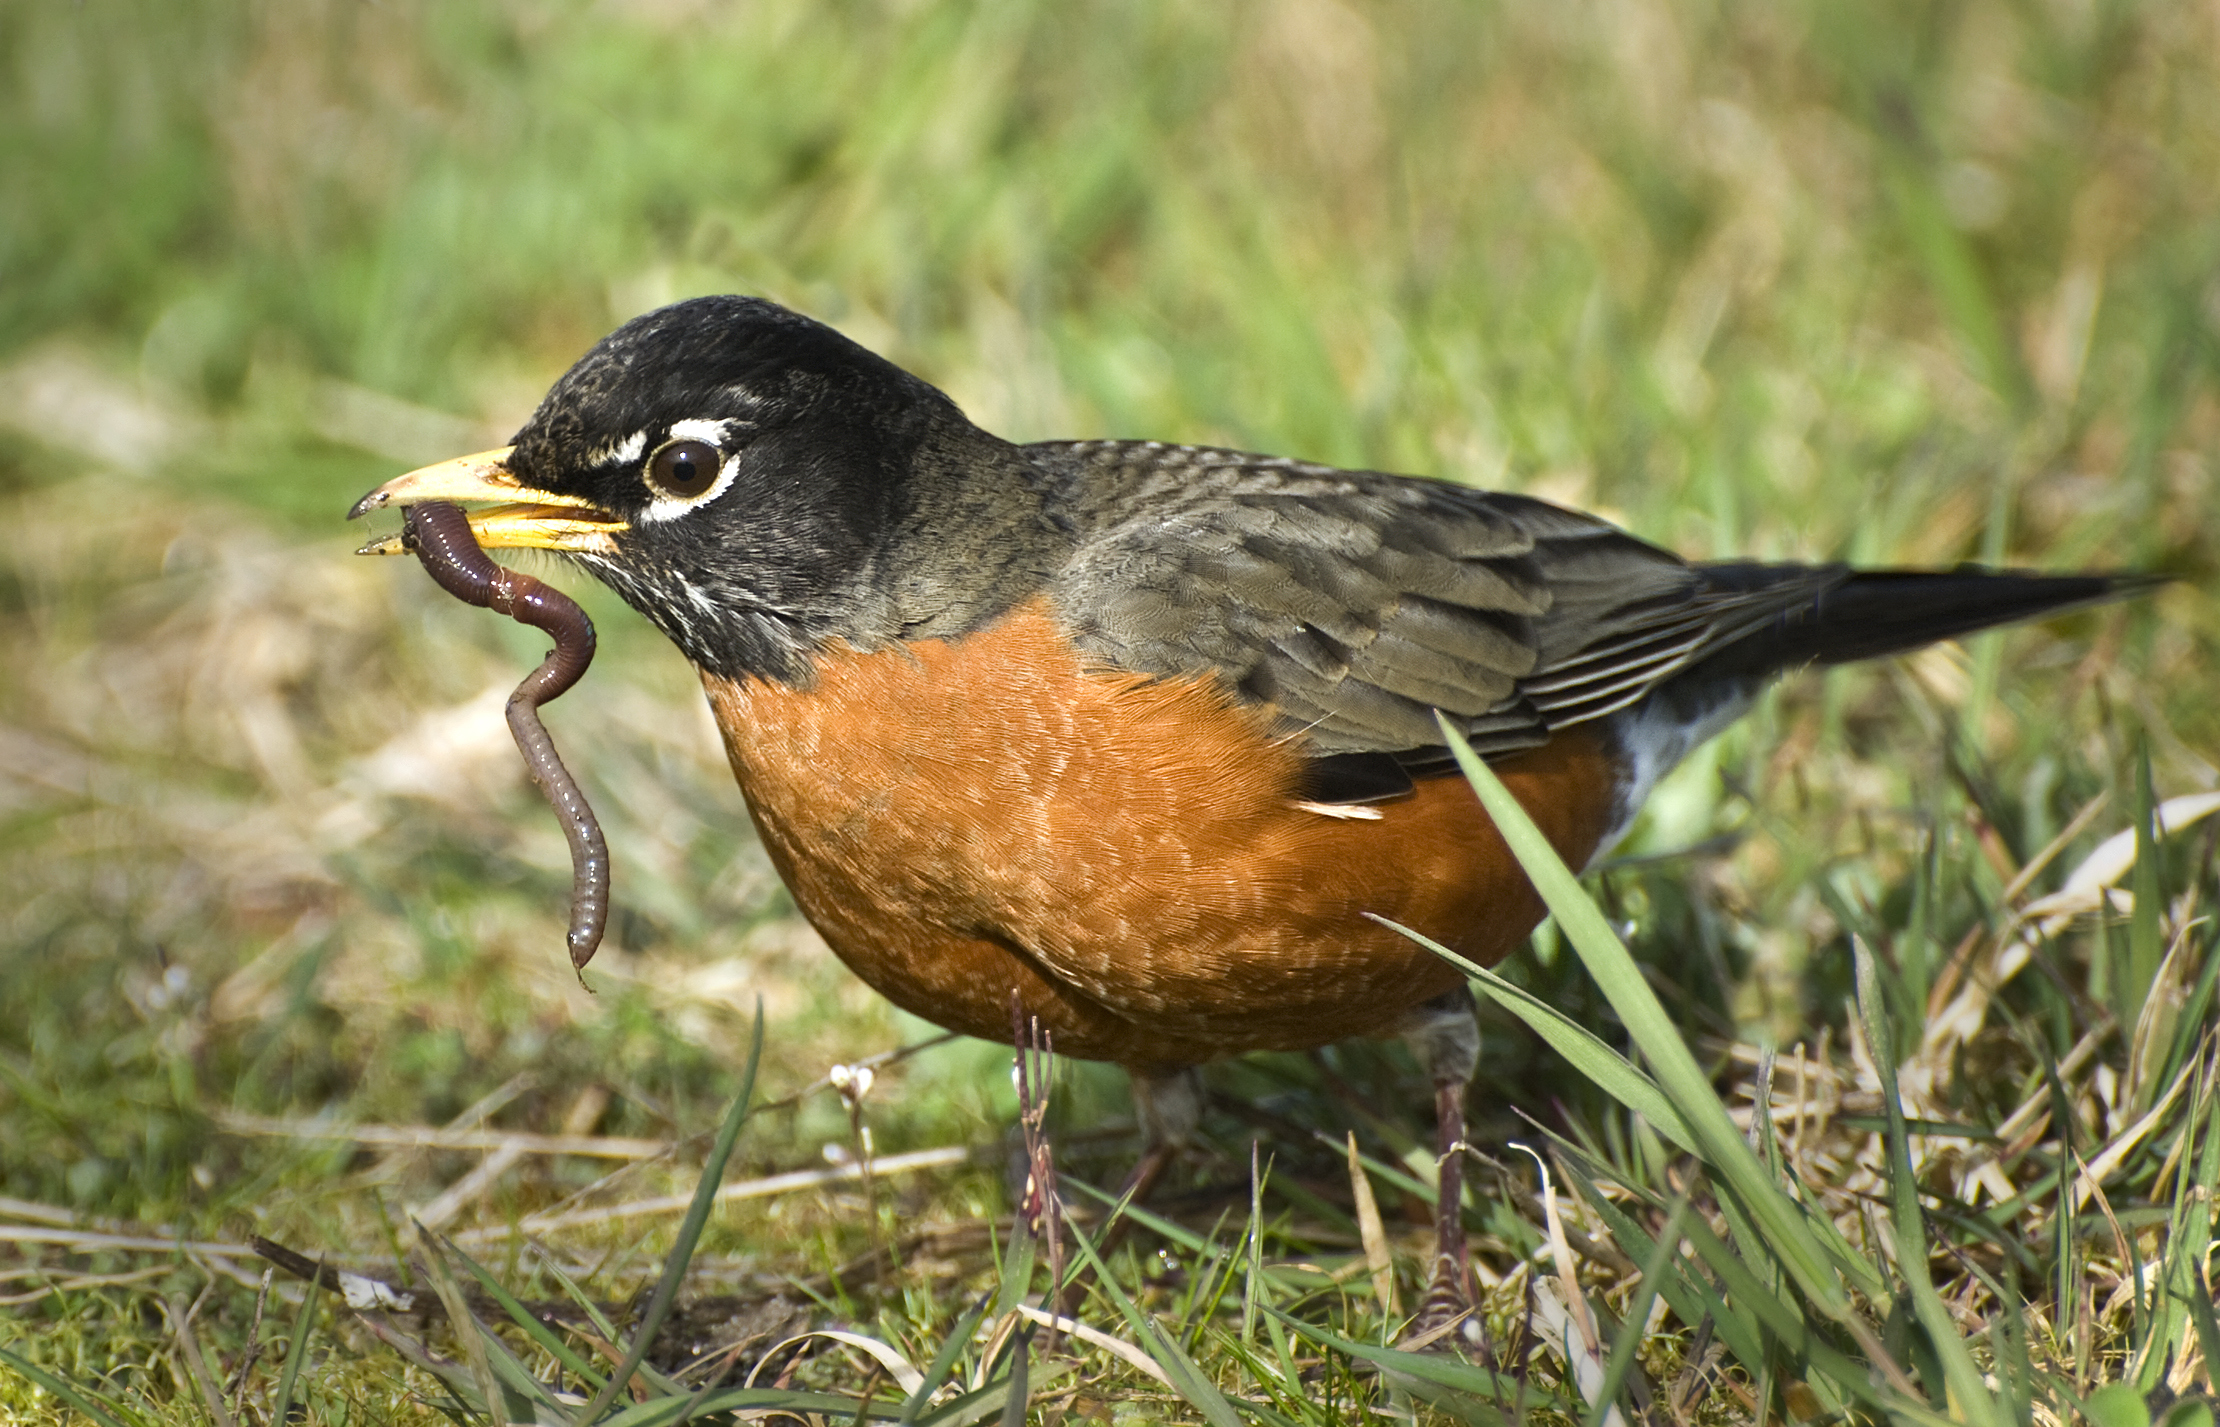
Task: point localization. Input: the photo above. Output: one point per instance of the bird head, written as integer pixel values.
(734, 470)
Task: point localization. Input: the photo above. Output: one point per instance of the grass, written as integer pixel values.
(1892, 283)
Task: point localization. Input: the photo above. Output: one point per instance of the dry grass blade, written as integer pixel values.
(770, 1186)
(78, 1283)
(86, 1242)
(477, 1344)
(249, 1359)
(1373, 1232)
(431, 1137)
(196, 1363)
(1096, 1338)
(37, 1213)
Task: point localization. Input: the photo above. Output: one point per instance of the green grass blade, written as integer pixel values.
(1202, 1301)
(2146, 937)
(1805, 1255)
(1253, 1287)
(1970, 1398)
(97, 1406)
(1187, 1239)
(1915, 949)
(550, 1341)
(1291, 1376)
(2197, 1236)
(1019, 1385)
(1954, 273)
(296, 1350)
(455, 1377)
(578, 1295)
(501, 1378)
(1438, 1368)
(2191, 1025)
(1783, 1321)
(1763, 1134)
(1269, 1378)
(1582, 1048)
(1201, 1393)
(829, 1406)
(1017, 1272)
(2186, 1306)
(607, 1330)
(944, 1362)
(2008, 1337)
(1008, 1397)
(689, 1233)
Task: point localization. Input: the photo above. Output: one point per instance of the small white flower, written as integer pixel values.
(852, 1081)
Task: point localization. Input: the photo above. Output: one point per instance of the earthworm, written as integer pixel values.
(440, 535)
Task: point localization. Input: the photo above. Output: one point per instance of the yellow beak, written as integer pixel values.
(531, 519)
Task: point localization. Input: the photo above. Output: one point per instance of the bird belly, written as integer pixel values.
(1650, 739)
(972, 819)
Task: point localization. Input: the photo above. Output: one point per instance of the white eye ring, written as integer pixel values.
(662, 504)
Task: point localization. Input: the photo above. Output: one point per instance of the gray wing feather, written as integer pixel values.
(1357, 603)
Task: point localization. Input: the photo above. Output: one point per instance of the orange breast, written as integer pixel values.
(961, 819)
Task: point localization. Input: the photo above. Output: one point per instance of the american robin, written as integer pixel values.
(1139, 731)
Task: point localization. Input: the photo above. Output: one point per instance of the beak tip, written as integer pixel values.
(483, 476)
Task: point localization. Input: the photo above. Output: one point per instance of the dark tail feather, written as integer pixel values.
(1874, 613)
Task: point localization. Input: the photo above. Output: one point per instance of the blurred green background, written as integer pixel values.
(1892, 282)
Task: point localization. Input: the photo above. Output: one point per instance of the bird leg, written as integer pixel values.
(1447, 1041)
(1168, 1102)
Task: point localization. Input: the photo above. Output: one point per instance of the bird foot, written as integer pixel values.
(1447, 1318)
(1447, 1311)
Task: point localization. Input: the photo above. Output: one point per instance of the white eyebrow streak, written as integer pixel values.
(699, 429)
(621, 453)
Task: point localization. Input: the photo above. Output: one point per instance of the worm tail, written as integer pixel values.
(589, 850)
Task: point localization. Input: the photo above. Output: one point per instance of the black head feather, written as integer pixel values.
(742, 356)
(819, 444)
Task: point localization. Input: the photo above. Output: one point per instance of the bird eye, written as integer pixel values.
(684, 469)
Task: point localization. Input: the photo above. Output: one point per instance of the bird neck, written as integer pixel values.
(965, 542)
(972, 541)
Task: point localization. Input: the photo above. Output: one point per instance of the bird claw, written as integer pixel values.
(1448, 1305)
